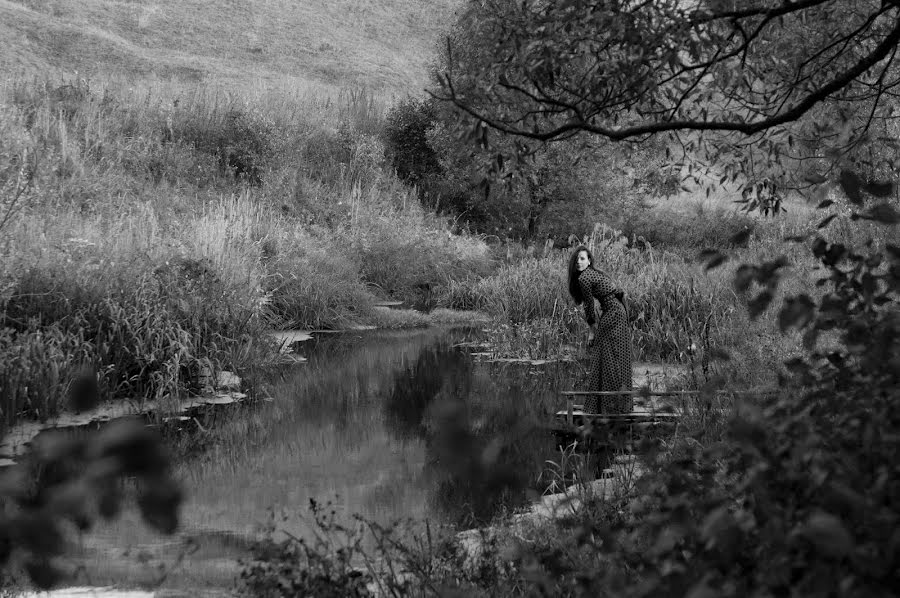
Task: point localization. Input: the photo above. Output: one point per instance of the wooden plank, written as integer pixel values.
(633, 416)
(636, 393)
(663, 393)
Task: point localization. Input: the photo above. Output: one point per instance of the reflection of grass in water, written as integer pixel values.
(322, 437)
(487, 450)
(363, 426)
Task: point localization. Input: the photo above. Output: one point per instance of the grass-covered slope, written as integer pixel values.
(381, 44)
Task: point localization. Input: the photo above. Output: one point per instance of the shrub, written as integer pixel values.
(687, 232)
(313, 284)
(405, 142)
(242, 140)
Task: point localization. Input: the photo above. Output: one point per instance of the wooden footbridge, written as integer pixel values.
(573, 423)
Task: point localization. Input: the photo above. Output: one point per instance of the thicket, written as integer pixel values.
(533, 192)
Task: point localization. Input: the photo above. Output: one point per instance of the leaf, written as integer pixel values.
(795, 238)
(136, 447)
(109, 503)
(43, 574)
(883, 213)
(713, 258)
(758, 304)
(159, 501)
(719, 354)
(879, 188)
(39, 534)
(810, 337)
(744, 277)
(826, 221)
(894, 250)
(828, 535)
(740, 238)
(852, 186)
(815, 178)
(720, 533)
(824, 204)
(702, 589)
(797, 366)
(796, 312)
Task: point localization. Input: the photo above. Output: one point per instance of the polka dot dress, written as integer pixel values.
(610, 367)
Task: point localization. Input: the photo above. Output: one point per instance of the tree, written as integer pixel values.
(771, 94)
(786, 91)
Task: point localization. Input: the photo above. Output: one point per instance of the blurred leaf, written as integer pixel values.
(712, 258)
(57, 446)
(883, 213)
(5, 541)
(744, 277)
(894, 251)
(159, 500)
(109, 501)
(815, 178)
(741, 238)
(703, 590)
(826, 221)
(852, 186)
(747, 432)
(720, 533)
(828, 535)
(139, 450)
(825, 204)
(758, 304)
(719, 354)
(879, 188)
(796, 312)
(43, 574)
(666, 540)
(84, 393)
(38, 533)
(71, 501)
(810, 337)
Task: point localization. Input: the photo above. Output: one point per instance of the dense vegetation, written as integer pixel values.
(149, 233)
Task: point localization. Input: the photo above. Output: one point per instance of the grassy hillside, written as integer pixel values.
(382, 44)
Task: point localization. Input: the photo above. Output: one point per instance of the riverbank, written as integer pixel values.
(138, 252)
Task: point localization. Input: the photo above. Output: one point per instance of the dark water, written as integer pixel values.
(384, 425)
(411, 424)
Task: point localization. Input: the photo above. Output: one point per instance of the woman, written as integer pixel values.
(610, 336)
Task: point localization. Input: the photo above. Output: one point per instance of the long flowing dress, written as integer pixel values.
(610, 367)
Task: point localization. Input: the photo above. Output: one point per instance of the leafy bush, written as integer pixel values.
(243, 141)
(311, 283)
(406, 144)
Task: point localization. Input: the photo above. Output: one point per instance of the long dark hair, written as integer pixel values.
(574, 288)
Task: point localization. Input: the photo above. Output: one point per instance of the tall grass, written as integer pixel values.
(673, 306)
(165, 229)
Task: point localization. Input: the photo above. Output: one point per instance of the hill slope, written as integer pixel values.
(382, 44)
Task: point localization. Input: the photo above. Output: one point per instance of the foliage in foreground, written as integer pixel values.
(68, 483)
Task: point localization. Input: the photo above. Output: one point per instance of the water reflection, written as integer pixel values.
(389, 425)
(439, 370)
